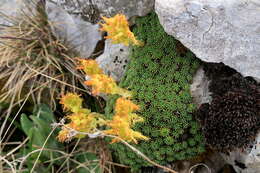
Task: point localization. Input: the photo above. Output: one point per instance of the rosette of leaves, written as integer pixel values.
(232, 119)
(160, 80)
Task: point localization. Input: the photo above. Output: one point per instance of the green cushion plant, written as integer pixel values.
(160, 80)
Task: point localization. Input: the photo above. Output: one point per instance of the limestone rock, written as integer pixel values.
(247, 161)
(11, 8)
(8, 7)
(92, 8)
(114, 60)
(216, 30)
(81, 35)
(200, 88)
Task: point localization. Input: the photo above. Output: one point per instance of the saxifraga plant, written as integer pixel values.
(160, 80)
(33, 60)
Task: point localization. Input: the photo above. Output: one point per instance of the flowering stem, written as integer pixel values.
(99, 133)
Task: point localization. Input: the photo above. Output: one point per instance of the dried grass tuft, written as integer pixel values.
(33, 60)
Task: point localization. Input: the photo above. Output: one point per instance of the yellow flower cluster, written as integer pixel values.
(118, 31)
(100, 82)
(123, 120)
(90, 67)
(83, 120)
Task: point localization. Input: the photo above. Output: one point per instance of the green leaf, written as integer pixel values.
(45, 113)
(38, 128)
(41, 125)
(26, 124)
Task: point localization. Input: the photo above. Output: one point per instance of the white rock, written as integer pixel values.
(200, 88)
(107, 7)
(81, 35)
(250, 158)
(11, 8)
(216, 30)
(8, 7)
(114, 60)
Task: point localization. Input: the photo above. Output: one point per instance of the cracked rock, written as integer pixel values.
(216, 31)
(91, 9)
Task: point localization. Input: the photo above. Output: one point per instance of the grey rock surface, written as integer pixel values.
(114, 60)
(80, 35)
(247, 161)
(216, 30)
(9, 8)
(91, 9)
(200, 88)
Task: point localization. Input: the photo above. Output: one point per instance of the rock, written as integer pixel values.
(200, 88)
(213, 162)
(114, 60)
(82, 36)
(91, 9)
(216, 31)
(247, 161)
(257, 79)
(10, 8)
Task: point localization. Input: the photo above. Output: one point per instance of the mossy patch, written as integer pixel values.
(160, 80)
(231, 121)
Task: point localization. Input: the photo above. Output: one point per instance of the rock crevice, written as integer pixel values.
(216, 31)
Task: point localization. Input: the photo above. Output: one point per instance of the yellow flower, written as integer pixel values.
(121, 128)
(118, 31)
(90, 67)
(123, 120)
(101, 83)
(124, 107)
(83, 122)
(71, 102)
(63, 135)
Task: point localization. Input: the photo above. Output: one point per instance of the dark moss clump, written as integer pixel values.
(232, 119)
(160, 79)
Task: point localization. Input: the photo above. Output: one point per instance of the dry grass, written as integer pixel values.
(15, 163)
(33, 60)
(35, 65)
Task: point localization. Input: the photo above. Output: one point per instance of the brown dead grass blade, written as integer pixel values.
(30, 55)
